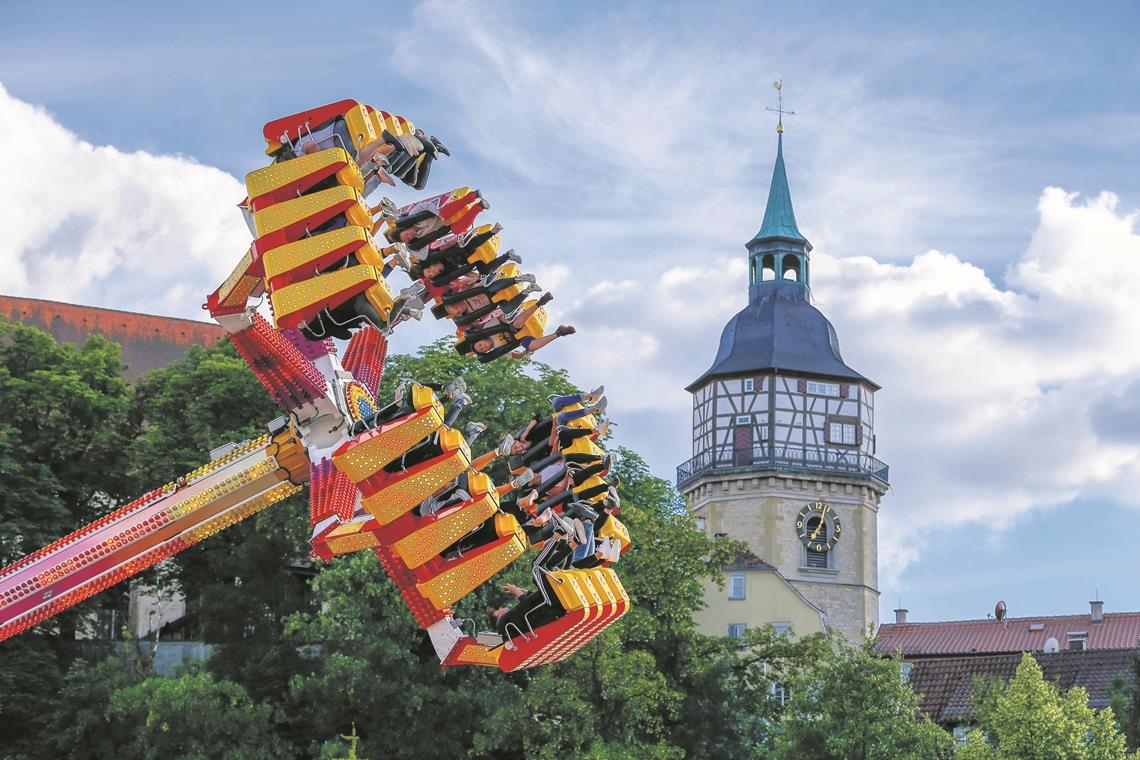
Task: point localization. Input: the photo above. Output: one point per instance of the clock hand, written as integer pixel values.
(817, 529)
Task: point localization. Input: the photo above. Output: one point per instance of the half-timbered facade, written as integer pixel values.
(784, 449)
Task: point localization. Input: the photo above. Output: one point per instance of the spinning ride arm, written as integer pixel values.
(150, 529)
(396, 480)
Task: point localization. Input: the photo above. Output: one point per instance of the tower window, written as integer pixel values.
(842, 433)
(744, 419)
(791, 267)
(768, 267)
(823, 389)
(736, 587)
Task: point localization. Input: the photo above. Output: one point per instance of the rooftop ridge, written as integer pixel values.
(1028, 618)
(178, 331)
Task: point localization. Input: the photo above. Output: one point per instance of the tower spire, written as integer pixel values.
(779, 251)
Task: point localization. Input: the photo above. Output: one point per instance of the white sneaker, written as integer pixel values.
(524, 477)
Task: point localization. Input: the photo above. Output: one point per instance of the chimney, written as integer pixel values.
(1097, 611)
(900, 615)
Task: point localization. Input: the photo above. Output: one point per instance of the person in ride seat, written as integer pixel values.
(424, 226)
(532, 611)
(509, 339)
(474, 301)
(458, 261)
(409, 158)
(401, 406)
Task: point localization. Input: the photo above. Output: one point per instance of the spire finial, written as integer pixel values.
(779, 109)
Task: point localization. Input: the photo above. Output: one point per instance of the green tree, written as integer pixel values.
(1125, 702)
(1029, 718)
(62, 434)
(853, 704)
(117, 709)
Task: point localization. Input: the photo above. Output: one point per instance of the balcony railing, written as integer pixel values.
(808, 459)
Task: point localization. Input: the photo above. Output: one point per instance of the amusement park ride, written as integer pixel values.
(396, 480)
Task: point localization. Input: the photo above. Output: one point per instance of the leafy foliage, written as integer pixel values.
(1125, 703)
(1030, 718)
(855, 705)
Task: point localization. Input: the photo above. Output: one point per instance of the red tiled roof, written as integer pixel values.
(1119, 630)
(945, 685)
(110, 322)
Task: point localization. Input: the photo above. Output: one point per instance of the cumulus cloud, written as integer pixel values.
(96, 225)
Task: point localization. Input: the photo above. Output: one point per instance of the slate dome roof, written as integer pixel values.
(780, 330)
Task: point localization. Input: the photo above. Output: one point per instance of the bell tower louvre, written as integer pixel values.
(784, 451)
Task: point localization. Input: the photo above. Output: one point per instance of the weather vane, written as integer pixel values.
(779, 85)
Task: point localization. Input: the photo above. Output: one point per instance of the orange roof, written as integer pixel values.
(109, 322)
(1120, 630)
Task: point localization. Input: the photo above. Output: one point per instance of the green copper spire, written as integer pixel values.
(778, 253)
(779, 218)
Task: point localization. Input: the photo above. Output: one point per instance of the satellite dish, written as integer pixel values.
(999, 611)
(1051, 645)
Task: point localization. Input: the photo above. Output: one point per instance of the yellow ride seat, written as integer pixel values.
(400, 492)
(281, 181)
(472, 571)
(427, 542)
(298, 210)
(299, 259)
(297, 304)
(369, 452)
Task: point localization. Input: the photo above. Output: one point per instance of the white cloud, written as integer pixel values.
(124, 230)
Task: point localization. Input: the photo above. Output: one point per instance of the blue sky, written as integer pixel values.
(627, 152)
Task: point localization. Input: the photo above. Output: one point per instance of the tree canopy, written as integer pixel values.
(1030, 718)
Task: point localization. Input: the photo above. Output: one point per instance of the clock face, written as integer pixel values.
(818, 526)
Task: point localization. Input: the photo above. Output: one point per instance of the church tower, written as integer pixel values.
(784, 451)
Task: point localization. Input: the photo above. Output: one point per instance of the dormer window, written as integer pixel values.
(1078, 640)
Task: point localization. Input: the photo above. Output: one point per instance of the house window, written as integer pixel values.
(779, 693)
(1078, 640)
(744, 419)
(842, 433)
(748, 385)
(736, 587)
(736, 630)
(702, 524)
(782, 627)
(823, 389)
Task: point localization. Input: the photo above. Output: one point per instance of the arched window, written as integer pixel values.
(791, 268)
(768, 267)
(816, 553)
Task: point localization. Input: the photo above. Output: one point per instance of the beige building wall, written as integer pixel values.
(768, 599)
(762, 511)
